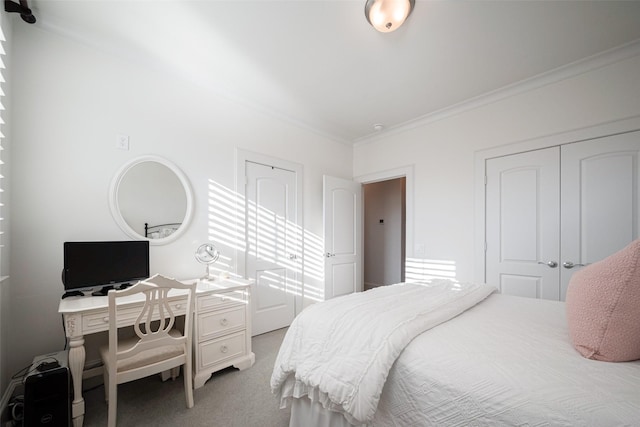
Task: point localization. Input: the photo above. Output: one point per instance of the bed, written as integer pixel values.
(161, 230)
(501, 361)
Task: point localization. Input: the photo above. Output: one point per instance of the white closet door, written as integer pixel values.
(523, 224)
(569, 206)
(273, 240)
(600, 200)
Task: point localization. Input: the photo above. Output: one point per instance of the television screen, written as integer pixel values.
(89, 264)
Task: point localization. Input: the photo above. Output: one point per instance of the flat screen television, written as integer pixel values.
(91, 264)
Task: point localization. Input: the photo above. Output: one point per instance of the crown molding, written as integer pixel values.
(574, 69)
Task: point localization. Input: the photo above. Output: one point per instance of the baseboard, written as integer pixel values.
(92, 372)
(369, 285)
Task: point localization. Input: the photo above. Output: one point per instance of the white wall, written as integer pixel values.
(70, 102)
(442, 151)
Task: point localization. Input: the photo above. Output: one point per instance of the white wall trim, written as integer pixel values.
(369, 285)
(408, 173)
(568, 71)
(243, 156)
(615, 127)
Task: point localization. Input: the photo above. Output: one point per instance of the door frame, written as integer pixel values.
(243, 156)
(406, 172)
(601, 130)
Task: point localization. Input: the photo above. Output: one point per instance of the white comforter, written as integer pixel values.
(339, 352)
(507, 361)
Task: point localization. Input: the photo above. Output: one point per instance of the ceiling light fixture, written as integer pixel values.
(387, 15)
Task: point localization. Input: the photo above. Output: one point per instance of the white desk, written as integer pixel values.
(222, 329)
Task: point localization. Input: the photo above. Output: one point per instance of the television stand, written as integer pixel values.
(102, 292)
(72, 294)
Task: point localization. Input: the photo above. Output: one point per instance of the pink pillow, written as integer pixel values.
(603, 307)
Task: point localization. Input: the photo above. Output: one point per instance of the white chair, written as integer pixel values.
(157, 345)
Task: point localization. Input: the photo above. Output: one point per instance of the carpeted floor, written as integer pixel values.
(229, 398)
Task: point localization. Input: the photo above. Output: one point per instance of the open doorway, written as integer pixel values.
(385, 224)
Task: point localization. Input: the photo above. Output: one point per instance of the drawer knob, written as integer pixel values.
(224, 322)
(178, 306)
(105, 319)
(223, 299)
(224, 349)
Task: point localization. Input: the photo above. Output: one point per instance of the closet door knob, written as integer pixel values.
(569, 264)
(551, 264)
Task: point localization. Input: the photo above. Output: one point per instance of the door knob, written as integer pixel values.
(569, 264)
(551, 264)
(329, 254)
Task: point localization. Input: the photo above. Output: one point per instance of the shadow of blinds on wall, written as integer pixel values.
(2, 123)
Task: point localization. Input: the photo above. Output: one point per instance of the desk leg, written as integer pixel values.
(76, 364)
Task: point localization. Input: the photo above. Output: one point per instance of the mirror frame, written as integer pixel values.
(115, 206)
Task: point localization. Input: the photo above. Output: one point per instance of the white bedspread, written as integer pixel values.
(507, 361)
(339, 352)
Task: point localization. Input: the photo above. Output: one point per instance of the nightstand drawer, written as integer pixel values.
(216, 323)
(220, 300)
(221, 349)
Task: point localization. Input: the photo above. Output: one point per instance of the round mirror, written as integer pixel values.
(150, 198)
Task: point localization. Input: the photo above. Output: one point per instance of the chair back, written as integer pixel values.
(164, 299)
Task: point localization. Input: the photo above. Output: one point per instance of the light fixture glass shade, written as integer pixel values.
(387, 15)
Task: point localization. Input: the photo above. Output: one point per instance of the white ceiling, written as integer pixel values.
(320, 64)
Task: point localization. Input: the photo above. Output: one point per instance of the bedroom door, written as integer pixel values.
(551, 211)
(342, 216)
(273, 245)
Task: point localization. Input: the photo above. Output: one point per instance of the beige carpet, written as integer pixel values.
(229, 398)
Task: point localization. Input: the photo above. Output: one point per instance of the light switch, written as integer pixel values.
(122, 142)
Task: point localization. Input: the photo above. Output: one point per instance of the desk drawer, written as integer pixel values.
(99, 321)
(221, 349)
(216, 323)
(220, 300)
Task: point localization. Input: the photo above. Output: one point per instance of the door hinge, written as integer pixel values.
(485, 180)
